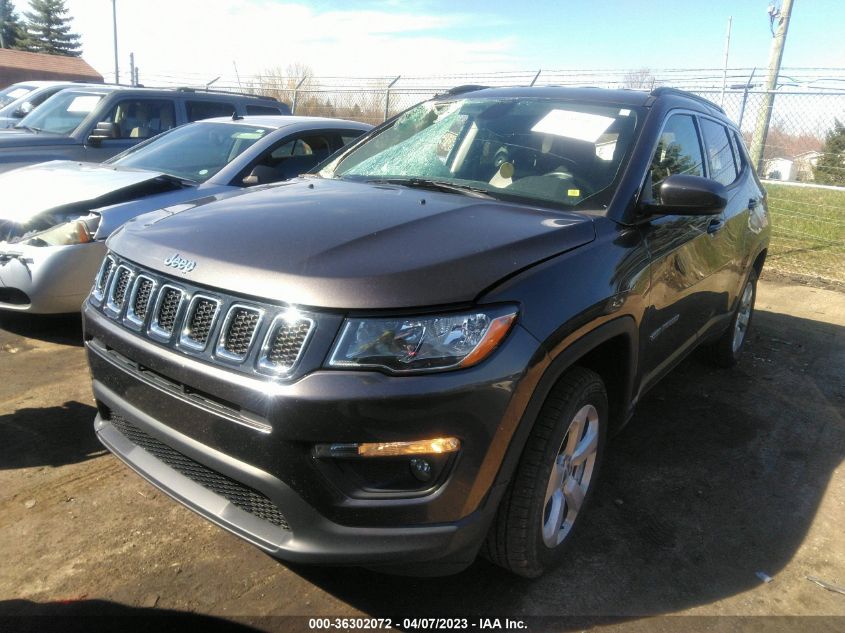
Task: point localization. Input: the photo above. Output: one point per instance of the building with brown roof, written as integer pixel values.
(18, 66)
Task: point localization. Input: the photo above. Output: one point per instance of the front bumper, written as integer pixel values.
(260, 434)
(52, 279)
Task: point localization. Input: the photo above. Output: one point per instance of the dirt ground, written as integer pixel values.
(722, 476)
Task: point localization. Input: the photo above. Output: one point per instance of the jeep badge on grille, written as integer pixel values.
(180, 263)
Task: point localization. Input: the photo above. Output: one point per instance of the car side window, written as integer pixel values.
(198, 110)
(291, 158)
(739, 157)
(140, 118)
(260, 109)
(678, 152)
(347, 137)
(720, 154)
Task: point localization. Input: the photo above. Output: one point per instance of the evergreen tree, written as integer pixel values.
(11, 30)
(830, 170)
(48, 29)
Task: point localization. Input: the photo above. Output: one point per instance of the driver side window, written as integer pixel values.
(140, 118)
(678, 152)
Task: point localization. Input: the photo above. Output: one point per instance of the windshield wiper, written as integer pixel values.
(437, 185)
(34, 130)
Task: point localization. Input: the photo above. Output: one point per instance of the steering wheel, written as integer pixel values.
(577, 182)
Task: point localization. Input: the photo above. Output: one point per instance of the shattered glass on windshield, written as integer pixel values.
(564, 152)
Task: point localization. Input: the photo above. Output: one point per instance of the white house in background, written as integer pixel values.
(805, 163)
(779, 169)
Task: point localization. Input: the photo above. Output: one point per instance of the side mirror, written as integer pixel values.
(688, 195)
(103, 131)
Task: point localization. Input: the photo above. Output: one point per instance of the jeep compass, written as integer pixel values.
(417, 353)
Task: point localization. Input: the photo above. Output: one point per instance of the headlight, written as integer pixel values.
(424, 343)
(73, 232)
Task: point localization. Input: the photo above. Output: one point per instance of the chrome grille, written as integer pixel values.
(254, 338)
(200, 319)
(285, 343)
(168, 309)
(121, 284)
(143, 293)
(239, 331)
(101, 282)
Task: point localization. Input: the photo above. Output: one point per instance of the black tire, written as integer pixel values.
(516, 538)
(724, 352)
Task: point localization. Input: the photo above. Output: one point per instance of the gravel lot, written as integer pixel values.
(721, 475)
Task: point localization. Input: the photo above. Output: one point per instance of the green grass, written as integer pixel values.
(808, 231)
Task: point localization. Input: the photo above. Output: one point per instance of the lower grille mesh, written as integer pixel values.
(238, 494)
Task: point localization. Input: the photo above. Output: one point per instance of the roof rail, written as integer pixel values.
(665, 90)
(221, 92)
(457, 90)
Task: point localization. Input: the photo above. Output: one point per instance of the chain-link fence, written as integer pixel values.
(809, 221)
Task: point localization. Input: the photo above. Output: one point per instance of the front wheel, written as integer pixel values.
(554, 478)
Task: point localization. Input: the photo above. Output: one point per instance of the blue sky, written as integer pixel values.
(383, 37)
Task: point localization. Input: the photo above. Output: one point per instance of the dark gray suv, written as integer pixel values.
(93, 123)
(418, 353)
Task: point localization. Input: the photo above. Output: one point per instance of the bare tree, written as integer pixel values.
(642, 79)
(281, 82)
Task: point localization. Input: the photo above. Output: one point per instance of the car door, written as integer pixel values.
(128, 122)
(727, 231)
(683, 255)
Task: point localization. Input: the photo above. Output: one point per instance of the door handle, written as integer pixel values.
(715, 225)
(752, 204)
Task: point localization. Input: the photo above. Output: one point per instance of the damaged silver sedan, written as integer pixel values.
(55, 216)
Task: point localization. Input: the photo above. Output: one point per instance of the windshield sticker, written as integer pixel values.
(573, 193)
(248, 136)
(581, 126)
(84, 104)
(624, 112)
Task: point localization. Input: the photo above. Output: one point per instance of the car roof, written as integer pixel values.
(281, 121)
(596, 95)
(109, 88)
(615, 96)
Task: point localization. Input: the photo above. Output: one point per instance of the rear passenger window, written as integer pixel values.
(678, 152)
(348, 137)
(259, 109)
(720, 154)
(198, 110)
(140, 118)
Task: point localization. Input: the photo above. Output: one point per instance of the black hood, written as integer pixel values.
(338, 244)
(22, 138)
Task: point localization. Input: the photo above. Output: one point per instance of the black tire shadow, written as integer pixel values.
(718, 477)
(62, 329)
(51, 436)
(91, 616)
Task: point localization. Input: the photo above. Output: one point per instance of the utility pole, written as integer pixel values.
(131, 69)
(727, 53)
(114, 28)
(764, 117)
